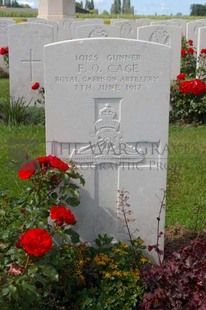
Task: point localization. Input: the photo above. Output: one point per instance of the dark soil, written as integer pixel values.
(178, 236)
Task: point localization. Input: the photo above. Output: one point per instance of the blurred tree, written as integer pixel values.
(89, 5)
(116, 7)
(92, 5)
(79, 4)
(197, 10)
(105, 12)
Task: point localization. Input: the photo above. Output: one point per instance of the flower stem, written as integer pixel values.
(27, 263)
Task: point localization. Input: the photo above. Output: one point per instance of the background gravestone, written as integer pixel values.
(107, 108)
(26, 43)
(168, 35)
(65, 29)
(128, 29)
(201, 42)
(192, 30)
(4, 23)
(94, 31)
(178, 23)
(140, 22)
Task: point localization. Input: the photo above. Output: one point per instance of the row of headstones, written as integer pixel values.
(67, 29)
(26, 43)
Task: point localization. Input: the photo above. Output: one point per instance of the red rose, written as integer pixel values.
(62, 215)
(183, 52)
(190, 42)
(185, 87)
(27, 170)
(44, 162)
(2, 51)
(190, 50)
(181, 76)
(198, 87)
(57, 163)
(36, 241)
(35, 86)
(203, 51)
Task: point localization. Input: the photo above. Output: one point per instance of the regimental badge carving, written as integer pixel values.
(67, 23)
(160, 36)
(98, 32)
(107, 145)
(3, 29)
(126, 29)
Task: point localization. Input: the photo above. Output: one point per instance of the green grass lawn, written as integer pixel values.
(186, 192)
(16, 142)
(4, 88)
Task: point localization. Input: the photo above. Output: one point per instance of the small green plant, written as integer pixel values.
(13, 112)
(3, 74)
(35, 116)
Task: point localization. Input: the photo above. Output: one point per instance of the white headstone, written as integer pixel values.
(4, 23)
(128, 29)
(140, 22)
(56, 9)
(85, 22)
(53, 24)
(173, 22)
(178, 23)
(26, 43)
(159, 22)
(192, 30)
(96, 31)
(201, 42)
(107, 108)
(65, 29)
(167, 35)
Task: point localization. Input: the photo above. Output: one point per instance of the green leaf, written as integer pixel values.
(50, 272)
(29, 288)
(73, 234)
(54, 195)
(13, 291)
(73, 201)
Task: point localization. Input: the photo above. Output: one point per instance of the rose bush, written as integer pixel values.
(40, 89)
(28, 240)
(4, 51)
(43, 263)
(188, 91)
